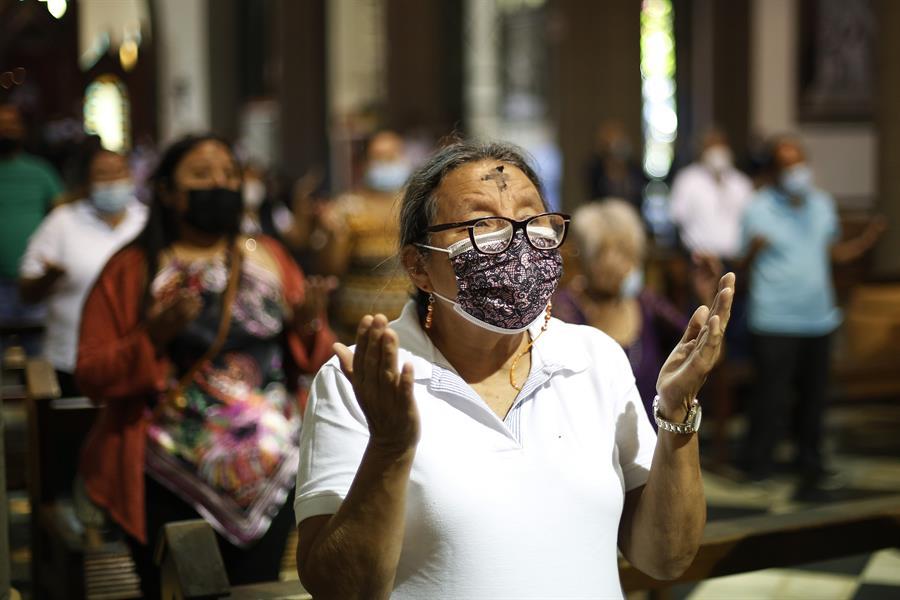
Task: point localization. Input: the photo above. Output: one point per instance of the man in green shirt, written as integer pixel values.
(29, 187)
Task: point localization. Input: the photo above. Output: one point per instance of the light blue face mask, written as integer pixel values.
(112, 197)
(387, 177)
(797, 180)
(632, 285)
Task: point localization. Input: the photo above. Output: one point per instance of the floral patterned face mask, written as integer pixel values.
(506, 292)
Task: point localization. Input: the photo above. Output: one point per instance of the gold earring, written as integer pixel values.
(430, 314)
(547, 314)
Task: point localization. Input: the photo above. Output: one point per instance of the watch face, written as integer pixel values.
(697, 419)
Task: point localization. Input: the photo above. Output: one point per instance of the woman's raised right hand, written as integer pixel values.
(385, 394)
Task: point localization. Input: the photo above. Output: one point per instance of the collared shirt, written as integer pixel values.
(791, 292)
(708, 212)
(75, 238)
(524, 507)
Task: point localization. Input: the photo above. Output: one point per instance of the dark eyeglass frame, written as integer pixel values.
(516, 225)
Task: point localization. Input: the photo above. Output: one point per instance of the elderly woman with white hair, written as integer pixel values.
(609, 292)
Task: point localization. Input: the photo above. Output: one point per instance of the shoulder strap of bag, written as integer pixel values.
(234, 276)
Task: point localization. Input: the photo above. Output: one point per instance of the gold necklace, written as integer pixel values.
(515, 363)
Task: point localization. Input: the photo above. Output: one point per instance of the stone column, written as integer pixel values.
(482, 74)
(424, 66)
(731, 68)
(712, 74)
(887, 117)
(356, 55)
(301, 51)
(182, 41)
(597, 76)
(225, 64)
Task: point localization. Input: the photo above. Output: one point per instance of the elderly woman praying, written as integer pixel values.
(477, 447)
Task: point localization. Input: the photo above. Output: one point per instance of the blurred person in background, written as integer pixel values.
(266, 211)
(71, 246)
(707, 204)
(255, 194)
(791, 234)
(609, 294)
(263, 212)
(194, 340)
(756, 160)
(363, 227)
(613, 171)
(143, 157)
(29, 187)
(708, 200)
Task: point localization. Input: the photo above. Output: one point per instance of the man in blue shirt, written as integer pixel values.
(791, 235)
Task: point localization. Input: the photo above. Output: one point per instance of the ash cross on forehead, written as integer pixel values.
(497, 176)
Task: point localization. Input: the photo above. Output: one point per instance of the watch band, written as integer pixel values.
(691, 421)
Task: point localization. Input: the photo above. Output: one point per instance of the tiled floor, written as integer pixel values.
(865, 448)
(875, 576)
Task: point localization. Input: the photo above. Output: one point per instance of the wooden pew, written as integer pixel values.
(868, 365)
(753, 543)
(190, 563)
(192, 568)
(13, 394)
(65, 561)
(729, 547)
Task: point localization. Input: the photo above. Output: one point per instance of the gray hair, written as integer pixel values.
(595, 223)
(418, 208)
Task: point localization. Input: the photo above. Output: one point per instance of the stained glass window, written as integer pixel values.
(660, 121)
(107, 113)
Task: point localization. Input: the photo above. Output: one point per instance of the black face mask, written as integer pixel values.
(215, 211)
(9, 145)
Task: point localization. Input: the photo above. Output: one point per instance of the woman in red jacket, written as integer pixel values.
(194, 338)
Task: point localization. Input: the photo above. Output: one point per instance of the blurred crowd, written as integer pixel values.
(199, 248)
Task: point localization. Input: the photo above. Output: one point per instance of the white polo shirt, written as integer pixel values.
(75, 238)
(527, 507)
(709, 212)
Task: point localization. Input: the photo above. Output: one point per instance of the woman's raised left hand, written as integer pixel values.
(689, 364)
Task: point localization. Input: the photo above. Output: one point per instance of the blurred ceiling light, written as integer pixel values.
(57, 8)
(105, 26)
(128, 54)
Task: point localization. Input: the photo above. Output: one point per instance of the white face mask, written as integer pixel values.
(632, 285)
(387, 176)
(112, 197)
(254, 192)
(717, 159)
(797, 180)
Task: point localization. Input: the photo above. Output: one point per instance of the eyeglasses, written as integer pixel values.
(493, 235)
